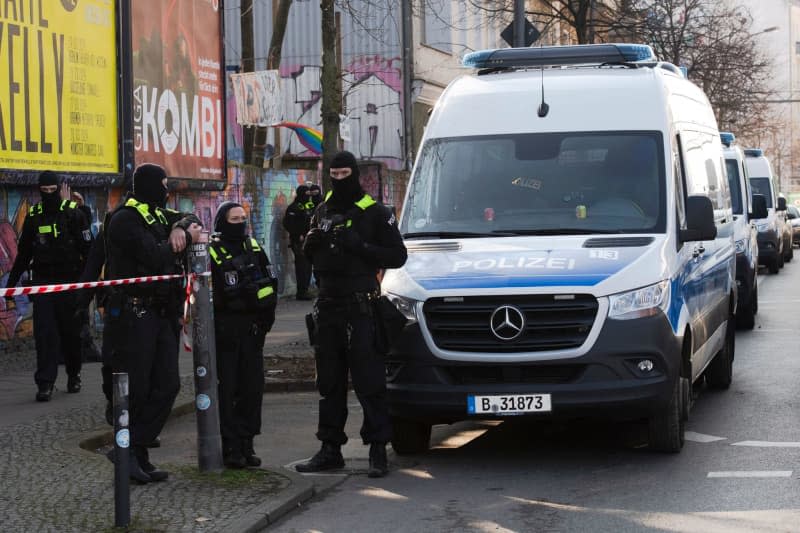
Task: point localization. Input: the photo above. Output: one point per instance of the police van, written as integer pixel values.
(570, 237)
(747, 210)
(774, 248)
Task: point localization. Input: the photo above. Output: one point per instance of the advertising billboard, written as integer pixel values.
(58, 86)
(178, 87)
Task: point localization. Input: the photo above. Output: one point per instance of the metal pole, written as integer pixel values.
(519, 23)
(126, 89)
(209, 442)
(122, 442)
(408, 83)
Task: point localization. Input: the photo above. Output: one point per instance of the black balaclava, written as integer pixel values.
(316, 198)
(229, 232)
(147, 186)
(301, 194)
(50, 200)
(348, 190)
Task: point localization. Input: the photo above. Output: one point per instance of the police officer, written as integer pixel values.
(54, 242)
(316, 194)
(296, 221)
(144, 239)
(352, 237)
(245, 294)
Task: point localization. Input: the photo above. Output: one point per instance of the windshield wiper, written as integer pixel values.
(457, 234)
(560, 231)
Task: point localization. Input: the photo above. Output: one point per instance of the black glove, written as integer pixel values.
(350, 241)
(9, 298)
(314, 240)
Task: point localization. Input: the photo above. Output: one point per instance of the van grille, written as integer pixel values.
(551, 323)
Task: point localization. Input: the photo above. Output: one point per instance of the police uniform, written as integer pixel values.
(54, 243)
(144, 318)
(352, 238)
(245, 295)
(296, 222)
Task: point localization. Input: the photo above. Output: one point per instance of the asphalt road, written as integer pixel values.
(739, 469)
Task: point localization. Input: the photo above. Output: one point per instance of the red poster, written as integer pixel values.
(178, 86)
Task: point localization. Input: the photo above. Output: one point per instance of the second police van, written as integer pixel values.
(748, 209)
(571, 252)
(774, 238)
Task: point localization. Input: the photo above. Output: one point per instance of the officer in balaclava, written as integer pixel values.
(316, 194)
(145, 239)
(245, 295)
(352, 238)
(296, 221)
(53, 245)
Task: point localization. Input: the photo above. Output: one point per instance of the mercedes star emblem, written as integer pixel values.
(507, 322)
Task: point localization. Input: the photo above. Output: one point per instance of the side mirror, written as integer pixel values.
(700, 224)
(759, 207)
(781, 203)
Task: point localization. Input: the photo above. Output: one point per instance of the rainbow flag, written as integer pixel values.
(309, 137)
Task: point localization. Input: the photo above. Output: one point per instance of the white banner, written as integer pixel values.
(258, 97)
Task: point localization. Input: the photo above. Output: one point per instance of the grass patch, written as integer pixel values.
(230, 479)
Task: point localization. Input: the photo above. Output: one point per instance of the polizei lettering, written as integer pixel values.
(34, 57)
(516, 263)
(167, 121)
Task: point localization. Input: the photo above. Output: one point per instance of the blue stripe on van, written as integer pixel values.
(502, 282)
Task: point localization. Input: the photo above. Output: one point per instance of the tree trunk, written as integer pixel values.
(331, 93)
(248, 65)
(275, 49)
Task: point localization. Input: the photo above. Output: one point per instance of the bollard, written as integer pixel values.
(122, 443)
(209, 442)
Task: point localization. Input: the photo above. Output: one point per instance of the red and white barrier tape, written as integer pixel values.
(62, 287)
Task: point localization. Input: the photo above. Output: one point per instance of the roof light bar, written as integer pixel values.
(727, 138)
(754, 152)
(582, 54)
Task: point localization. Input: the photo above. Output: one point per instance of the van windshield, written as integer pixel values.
(732, 167)
(761, 186)
(539, 183)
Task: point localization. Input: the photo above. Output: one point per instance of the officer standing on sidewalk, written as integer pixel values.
(54, 243)
(245, 295)
(352, 238)
(144, 239)
(296, 221)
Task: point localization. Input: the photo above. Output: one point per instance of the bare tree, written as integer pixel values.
(331, 89)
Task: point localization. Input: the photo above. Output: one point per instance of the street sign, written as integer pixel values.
(531, 34)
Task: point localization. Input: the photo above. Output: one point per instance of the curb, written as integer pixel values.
(300, 491)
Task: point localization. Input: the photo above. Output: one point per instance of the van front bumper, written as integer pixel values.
(604, 382)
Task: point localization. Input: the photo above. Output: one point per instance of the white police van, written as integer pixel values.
(774, 240)
(570, 239)
(746, 209)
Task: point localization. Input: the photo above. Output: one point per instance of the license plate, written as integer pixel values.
(508, 404)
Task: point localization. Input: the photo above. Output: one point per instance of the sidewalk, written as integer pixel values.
(53, 477)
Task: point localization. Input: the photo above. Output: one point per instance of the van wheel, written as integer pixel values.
(410, 436)
(754, 298)
(746, 315)
(791, 254)
(773, 266)
(720, 372)
(666, 429)
(780, 259)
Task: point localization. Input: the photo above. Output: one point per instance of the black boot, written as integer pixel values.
(45, 392)
(329, 457)
(135, 471)
(143, 457)
(249, 453)
(232, 456)
(74, 383)
(378, 464)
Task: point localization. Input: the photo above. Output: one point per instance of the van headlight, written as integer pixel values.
(763, 227)
(740, 246)
(639, 303)
(407, 306)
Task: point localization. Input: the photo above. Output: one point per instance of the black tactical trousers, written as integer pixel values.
(240, 371)
(345, 340)
(302, 269)
(144, 343)
(56, 334)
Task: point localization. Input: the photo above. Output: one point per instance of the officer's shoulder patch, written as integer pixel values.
(392, 219)
(87, 235)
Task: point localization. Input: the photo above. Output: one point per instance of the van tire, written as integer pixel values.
(780, 259)
(719, 374)
(410, 436)
(746, 315)
(790, 256)
(773, 266)
(666, 429)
